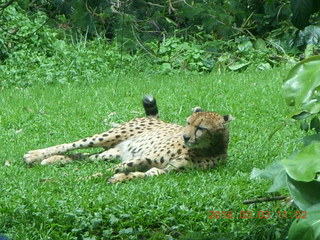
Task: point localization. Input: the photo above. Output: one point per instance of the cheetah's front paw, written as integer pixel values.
(34, 156)
(122, 177)
(56, 159)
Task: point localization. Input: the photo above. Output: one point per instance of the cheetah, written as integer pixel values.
(148, 146)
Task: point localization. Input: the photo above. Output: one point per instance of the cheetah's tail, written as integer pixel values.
(150, 106)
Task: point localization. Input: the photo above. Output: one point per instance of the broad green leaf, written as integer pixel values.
(311, 35)
(166, 67)
(224, 58)
(274, 171)
(279, 181)
(307, 140)
(260, 44)
(303, 166)
(315, 108)
(264, 66)
(315, 124)
(304, 125)
(301, 11)
(306, 229)
(301, 115)
(255, 173)
(238, 66)
(302, 82)
(245, 46)
(270, 172)
(304, 194)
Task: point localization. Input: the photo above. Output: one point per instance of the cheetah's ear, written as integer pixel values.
(228, 118)
(197, 109)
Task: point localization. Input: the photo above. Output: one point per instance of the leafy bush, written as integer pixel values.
(176, 54)
(152, 19)
(300, 172)
(29, 47)
(100, 38)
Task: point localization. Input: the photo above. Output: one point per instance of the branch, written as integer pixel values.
(3, 6)
(260, 200)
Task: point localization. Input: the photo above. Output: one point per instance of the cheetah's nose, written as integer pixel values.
(186, 138)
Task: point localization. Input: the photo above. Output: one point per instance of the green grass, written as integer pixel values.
(53, 202)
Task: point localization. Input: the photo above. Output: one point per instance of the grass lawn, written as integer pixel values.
(55, 202)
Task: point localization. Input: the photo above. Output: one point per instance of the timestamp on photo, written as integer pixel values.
(257, 214)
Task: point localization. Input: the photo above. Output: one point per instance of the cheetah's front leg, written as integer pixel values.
(173, 165)
(123, 177)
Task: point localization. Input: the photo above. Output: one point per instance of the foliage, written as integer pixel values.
(174, 53)
(301, 90)
(140, 22)
(302, 10)
(28, 44)
(300, 172)
(136, 24)
(29, 41)
(146, 36)
(237, 55)
(308, 37)
(19, 32)
(154, 19)
(302, 230)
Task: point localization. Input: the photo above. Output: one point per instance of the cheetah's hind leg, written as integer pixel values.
(64, 159)
(112, 153)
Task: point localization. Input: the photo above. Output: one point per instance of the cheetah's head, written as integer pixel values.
(203, 127)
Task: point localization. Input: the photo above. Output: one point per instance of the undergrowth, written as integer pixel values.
(34, 50)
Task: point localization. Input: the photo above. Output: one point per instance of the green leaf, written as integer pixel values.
(301, 11)
(307, 140)
(260, 44)
(224, 58)
(264, 66)
(304, 126)
(274, 171)
(279, 181)
(166, 67)
(306, 229)
(310, 36)
(315, 108)
(303, 166)
(300, 87)
(238, 66)
(304, 194)
(301, 115)
(245, 46)
(315, 124)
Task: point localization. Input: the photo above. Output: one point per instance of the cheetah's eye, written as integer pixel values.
(201, 128)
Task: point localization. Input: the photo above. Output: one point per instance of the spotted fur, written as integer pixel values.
(148, 146)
